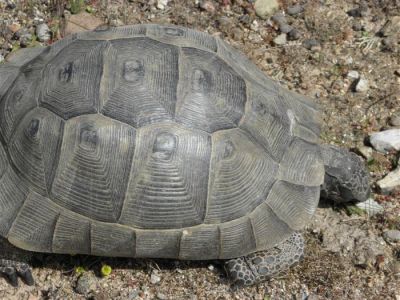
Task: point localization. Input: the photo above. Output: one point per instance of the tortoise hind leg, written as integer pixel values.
(260, 266)
(12, 269)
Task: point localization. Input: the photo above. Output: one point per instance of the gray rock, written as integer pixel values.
(357, 26)
(395, 120)
(280, 39)
(385, 141)
(295, 9)
(86, 283)
(285, 28)
(294, 35)
(43, 32)
(390, 182)
(392, 235)
(279, 19)
(366, 152)
(265, 8)
(310, 43)
(371, 207)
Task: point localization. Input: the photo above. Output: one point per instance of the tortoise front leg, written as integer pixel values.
(260, 266)
(12, 269)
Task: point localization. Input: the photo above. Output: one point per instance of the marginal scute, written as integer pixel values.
(236, 238)
(168, 183)
(241, 175)
(13, 193)
(293, 204)
(211, 95)
(200, 242)
(94, 166)
(157, 243)
(269, 229)
(136, 90)
(71, 80)
(34, 148)
(34, 226)
(109, 238)
(71, 234)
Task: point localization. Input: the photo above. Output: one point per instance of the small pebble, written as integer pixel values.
(392, 235)
(1, 58)
(265, 8)
(294, 35)
(161, 4)
(366, 152)
(161, 296)
(395, 120)
(295, 9)
(370, 206)
(154, 278)
(310, 43)
(208, 6)
(279, 19)
(86, 283)
(357, 27)
(43, 32)
(280, 39)
(285, 28)
(211, 267)
(353, 75)
(362, 85)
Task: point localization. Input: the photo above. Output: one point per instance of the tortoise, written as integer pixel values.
(153, 141)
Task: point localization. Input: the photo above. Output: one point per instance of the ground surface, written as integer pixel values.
(346, 257)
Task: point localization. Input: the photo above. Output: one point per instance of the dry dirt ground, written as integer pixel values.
(346, 256)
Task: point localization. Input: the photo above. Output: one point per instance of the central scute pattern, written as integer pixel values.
(152, 141)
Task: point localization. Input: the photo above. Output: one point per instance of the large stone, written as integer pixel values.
(265, 8)
(387, 140)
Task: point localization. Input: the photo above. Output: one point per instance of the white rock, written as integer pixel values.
(154, 278)
(370, 206)
(390, 182)
(353, 74)
(161, 4)
(265, 8)
(1, 58)
(280, 39)
(362, 85)
(386, 140)
(43, 32)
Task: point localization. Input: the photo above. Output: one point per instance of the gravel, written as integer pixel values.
(362, 267)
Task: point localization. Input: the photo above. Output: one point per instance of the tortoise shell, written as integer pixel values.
(152, 141)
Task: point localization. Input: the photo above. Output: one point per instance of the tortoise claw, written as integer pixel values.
(11, 270)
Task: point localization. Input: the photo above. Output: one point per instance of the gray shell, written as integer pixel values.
(152, 141)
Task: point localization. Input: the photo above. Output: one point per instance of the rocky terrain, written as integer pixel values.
(344, 54)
